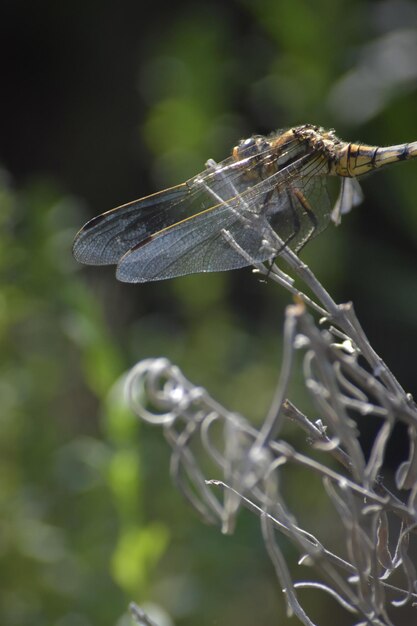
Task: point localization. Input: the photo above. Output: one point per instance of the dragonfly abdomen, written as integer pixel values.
(355, 159)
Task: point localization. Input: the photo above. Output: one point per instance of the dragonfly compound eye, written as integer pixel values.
(250, 147)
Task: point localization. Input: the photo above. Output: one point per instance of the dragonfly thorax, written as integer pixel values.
(317, 139)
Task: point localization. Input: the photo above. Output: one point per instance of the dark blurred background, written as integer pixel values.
(104, 102)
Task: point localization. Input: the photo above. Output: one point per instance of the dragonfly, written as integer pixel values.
(269, 194)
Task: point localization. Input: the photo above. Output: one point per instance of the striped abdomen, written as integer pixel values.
(355, 159)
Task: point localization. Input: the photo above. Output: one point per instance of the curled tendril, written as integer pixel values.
(158, 393)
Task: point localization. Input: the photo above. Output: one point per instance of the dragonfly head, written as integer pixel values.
(252, 147)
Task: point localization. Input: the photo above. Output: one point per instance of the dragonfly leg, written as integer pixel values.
(296, 199)
(281, 243)
(305, 205)
(296, 224)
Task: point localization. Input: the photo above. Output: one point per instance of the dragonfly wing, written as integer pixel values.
(261, 220)
(180, 230)
(107, 237)
(197, 245)
(350, 196)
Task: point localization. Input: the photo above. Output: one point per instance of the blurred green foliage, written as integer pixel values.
(89, 518)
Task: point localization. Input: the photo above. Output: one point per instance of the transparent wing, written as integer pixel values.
(262, 220)
(107, 237)
(350, 196)
(195, 245)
